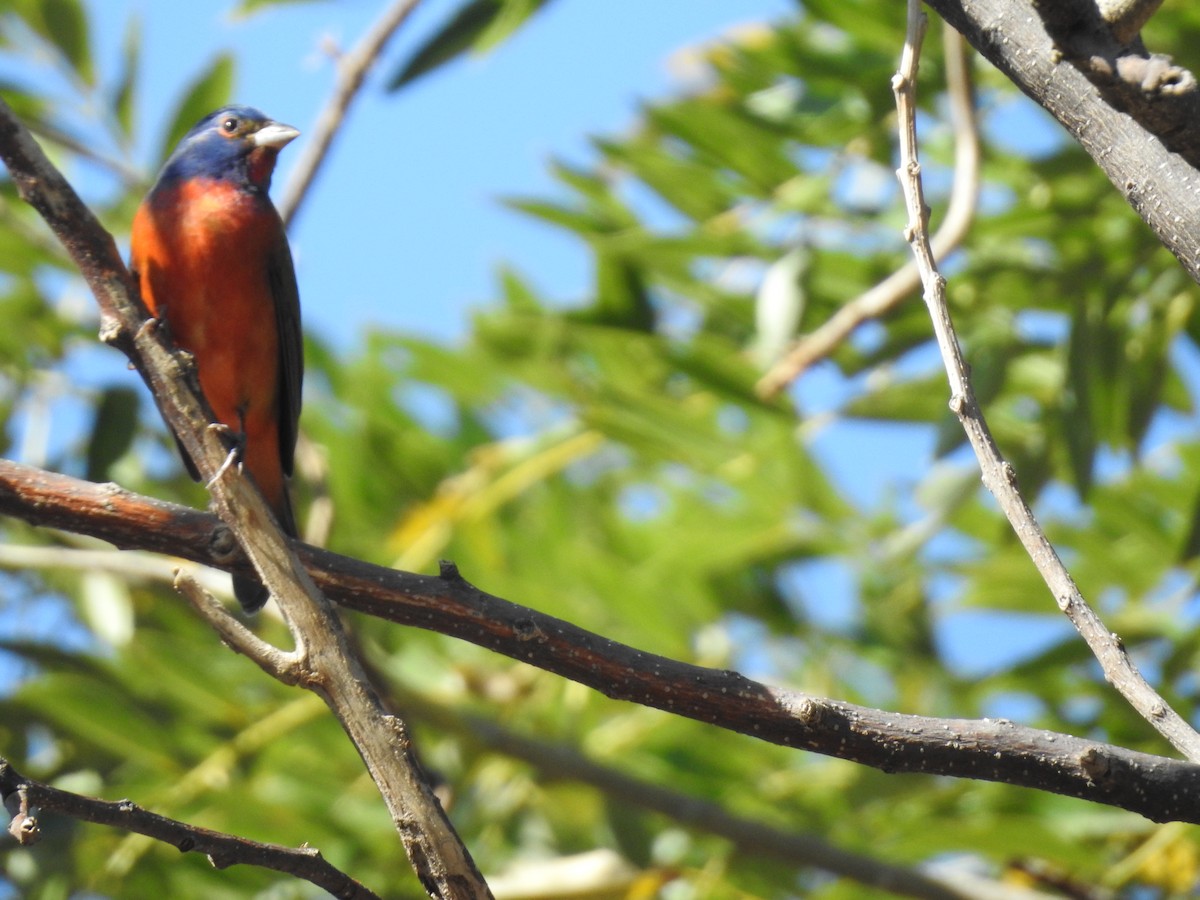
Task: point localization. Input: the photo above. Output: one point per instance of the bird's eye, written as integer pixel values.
(230, 125)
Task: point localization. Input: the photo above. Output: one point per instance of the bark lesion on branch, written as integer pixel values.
(1103, 40)
(1147, 146)
(1125, 18)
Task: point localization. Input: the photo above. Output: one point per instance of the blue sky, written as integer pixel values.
(403, 228)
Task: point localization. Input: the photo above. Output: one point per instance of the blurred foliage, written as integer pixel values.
(477, 25)
(604, 458)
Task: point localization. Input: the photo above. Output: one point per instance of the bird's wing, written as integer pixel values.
(286, 295)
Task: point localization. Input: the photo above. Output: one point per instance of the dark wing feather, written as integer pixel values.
(286, 295)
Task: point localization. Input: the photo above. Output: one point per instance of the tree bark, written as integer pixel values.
(1158, 788)
(1135, 114)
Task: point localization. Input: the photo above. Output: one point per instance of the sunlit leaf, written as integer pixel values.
(246, 8)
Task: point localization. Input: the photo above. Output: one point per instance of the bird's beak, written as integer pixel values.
(274, 135)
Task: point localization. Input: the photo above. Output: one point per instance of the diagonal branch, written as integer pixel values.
(440, 859)
(223, 850)
(987, 749)
(998, 475)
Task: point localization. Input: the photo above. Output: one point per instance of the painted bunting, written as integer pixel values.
(212, 261)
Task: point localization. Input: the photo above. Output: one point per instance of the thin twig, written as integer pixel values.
(988, 750)
(998, 475)
(352, 70)
(223, 850)
(878, 300)
(136, 566)
(287, 667)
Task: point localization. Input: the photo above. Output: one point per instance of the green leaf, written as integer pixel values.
(209, 91)
(124, 95)
(477, 25)
(247, 8)
(72, 702)
(694, 189)
(1077, 414)
(729, 139)
(585, 224)
(622, 297)
(518, 294)
(916, 400)
(1191, 541)
(64, 23)
(113, 431)
(511, 15)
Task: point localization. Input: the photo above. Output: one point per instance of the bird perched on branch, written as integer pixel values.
(212, 261)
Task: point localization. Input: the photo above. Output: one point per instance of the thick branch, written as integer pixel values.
(989, 750)
(557, 762)
(1146, 139)
(222, 850)
(328, 664)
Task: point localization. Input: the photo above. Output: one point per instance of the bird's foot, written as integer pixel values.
(237, 443)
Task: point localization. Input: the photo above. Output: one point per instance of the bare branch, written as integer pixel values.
(558, 762)
(899, 286)
(998, 475)
(1144, 135)
(442, 863)
(988, 750)
(135, 566)
(287, 667)
(223, 850)
(352, 70)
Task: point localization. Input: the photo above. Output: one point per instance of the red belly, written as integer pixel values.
(203, 251)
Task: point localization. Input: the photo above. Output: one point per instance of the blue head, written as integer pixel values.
(235, 143)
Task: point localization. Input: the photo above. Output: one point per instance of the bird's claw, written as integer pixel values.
(237, 441)
(148, 326)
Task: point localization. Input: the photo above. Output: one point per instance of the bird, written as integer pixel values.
(210, 256)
